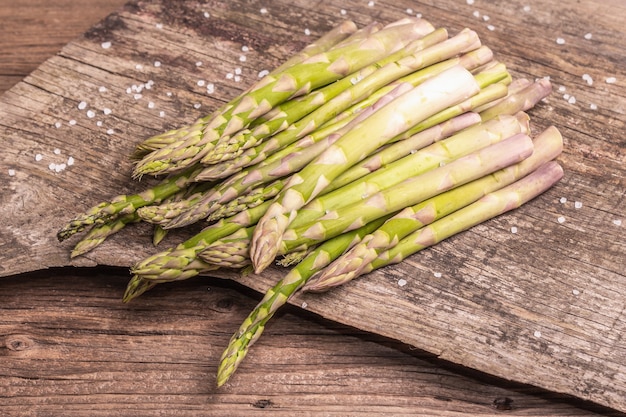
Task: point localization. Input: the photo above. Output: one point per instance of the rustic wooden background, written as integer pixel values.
(69, 345)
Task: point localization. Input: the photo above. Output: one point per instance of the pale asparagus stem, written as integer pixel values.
(488, 207)
(430, 157)
(251, 198)
(409, 192)
(547, 147)
(182, 262)
(293, 159)
(355, 87)
(126, 204)
(99, 233)
(279, 295)
(446, 89)
(469, 61)
(521, 101)
(515, 87)
(270, 91)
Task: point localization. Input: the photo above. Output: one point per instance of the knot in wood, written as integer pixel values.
(18, 342)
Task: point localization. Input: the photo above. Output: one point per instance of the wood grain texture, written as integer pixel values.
(543, 306)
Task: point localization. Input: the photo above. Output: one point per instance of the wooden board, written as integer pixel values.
(486, 310)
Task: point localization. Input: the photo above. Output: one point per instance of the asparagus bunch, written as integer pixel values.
(365, 147)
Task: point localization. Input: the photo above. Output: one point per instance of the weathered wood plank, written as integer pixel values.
(486, 310)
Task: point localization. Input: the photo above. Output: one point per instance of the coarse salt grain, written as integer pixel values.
(401, 282)
(491, 27)
(485, 18)
(59, 167)
(151, 104)
(57, 151)
(38, 157)
(207, 14)
(58, 124)
(409, 11)
(106, 111)
(571, 100)
(52, 166)
(617, 222)
(243, 58)
(263, 10)
(110, 132)
(91, 114)
(513, 229)
(72, 122)
(82, 105)
(197, 105)
(566, 96)
(343, 12)
(437, 274)
(476, 14)
(578, 204)
(137, 96)
(588, 36)
(159, 25)
(593, 106)
(210, 88)
(237, 78)
(537, 333)
(611, 80)
(99, 123)
(198, 63)
(307, 31)
(70, 161)
(526, 8)
(562, 88)
(263, 73)
(230, 76)
(157, 64)
(371, 3)
(304, 304)
(561, 219)
(560, 41)
(105, 45)
(575, 292)
(238, 71)
(200, 83)
(161, 113)
(470, 2)
(169, 94)
(11, 172)
(139, 67)
(244, 48)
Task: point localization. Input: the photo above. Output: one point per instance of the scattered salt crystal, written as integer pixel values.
(207, 14)
(197, 105)
(137, 96)
(244, 48)
(563, 200)
(491, 27)
(537, 333)
(401, 282)
(526, 8)
(72, 122)
(575, 292)
(263, 10)
(105, 45)
(485, 18)
(129, 90)
(571, 100)
(588, 78)
(169, 94)
(242, 58)
(139, 67)
(307, 31)
(611, 80)
(110, 132)
(238, 71)
(161, 113)
(470, 2)
(151, 104)
(513, 229)
(566, 96)
(52, 166)
(409, 11)
(578, 204)
(588, 36)
(263, 73)
(437, 274)
(210, 88)
(157, 64)
(82, 105)
(617, 222)
(560, 41)
(58, 125)
(99, 123)
(159, 25)
(237, 78)
(70, 161)
(102, 89)
(38, 157)
(342, 12)
(418, 15)
(59, 167)
(230, 76)
(476, 14)
(593, 106)
(57, 151)
(304, 304)
(91, 114)
(106, 111)
(199, 64)
(562, 88)
(371, 3)
(561, 219)
(201, 83)
(11, 172)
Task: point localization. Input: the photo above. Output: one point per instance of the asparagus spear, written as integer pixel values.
(100, 232)
(252, 327)
(489, 206)
(410, 192)
(314, 72)
(448, 88)
(547, 146)
(520, 101)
